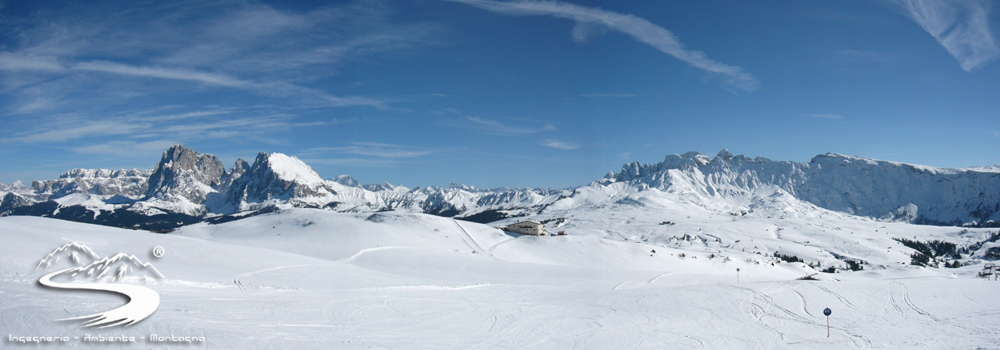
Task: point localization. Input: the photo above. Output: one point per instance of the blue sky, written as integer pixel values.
(495, 93)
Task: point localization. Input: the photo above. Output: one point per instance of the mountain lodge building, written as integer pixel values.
(529, 227)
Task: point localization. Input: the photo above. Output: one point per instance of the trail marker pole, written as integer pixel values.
(827, 312)
(737, 275)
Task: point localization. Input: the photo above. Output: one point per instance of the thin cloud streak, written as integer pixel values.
(640, 29)
(129, 149)
(61, 130)
(20, 62)
(276, 89)
(560, 145)
(497, 128)
(162, 73)
(66, 131)
(256, 48)
(962, 27)
(358, 162)
(374, 149)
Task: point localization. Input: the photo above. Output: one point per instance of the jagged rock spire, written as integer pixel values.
(185, 173)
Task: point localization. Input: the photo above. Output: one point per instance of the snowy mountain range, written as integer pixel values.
(187, 187)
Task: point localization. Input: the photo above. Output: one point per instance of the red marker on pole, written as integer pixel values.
(827, 312)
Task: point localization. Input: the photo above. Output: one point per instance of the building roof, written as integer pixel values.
(527, 222)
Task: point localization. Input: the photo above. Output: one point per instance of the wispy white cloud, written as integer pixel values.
(497, 128)
(99, 57)
(367, 154)
(375, 149)
(186, 115)
(242, 124)
(821, 116)
(265, 39)
(314, 96)
(37, 104)
(162, 73)
(560, 144)
(135, 127)
(354, 161)
(129, 149)
(23, 62)
(68, 129)
(962, 27)
(272, 89)
(637, 27)
(584, 32)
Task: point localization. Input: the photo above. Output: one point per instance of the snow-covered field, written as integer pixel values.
(305, 278)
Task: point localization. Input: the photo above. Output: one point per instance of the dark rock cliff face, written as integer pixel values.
(12, 201)
(235, 172)
(185, 173)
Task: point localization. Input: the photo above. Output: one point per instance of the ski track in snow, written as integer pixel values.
(494, 246)
(468, 238)
(365, 251)
(238, 280)
(904, 292)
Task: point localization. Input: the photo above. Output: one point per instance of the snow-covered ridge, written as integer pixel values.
(105, 173)
(131, 183)
(292, 169)
(855, 185)
(195, 184)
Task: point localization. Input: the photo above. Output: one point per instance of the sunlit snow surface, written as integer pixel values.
(307, 278)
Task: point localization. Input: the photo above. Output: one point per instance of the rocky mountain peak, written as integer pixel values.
(11, 201)
(725, 155)
(235, 172)
(346, 180)
(276, 176)
(287, 168)
(185, 173)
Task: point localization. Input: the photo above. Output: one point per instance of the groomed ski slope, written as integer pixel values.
(306, 278)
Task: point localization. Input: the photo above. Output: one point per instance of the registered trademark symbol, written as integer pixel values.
(158, 251)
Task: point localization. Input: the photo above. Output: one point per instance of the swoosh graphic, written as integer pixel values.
(142, 302)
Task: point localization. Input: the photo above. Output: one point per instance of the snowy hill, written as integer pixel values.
(187, 186)
(621, 278)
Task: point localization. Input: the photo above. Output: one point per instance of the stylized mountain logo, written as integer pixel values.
(75, 255)
(88, 271)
